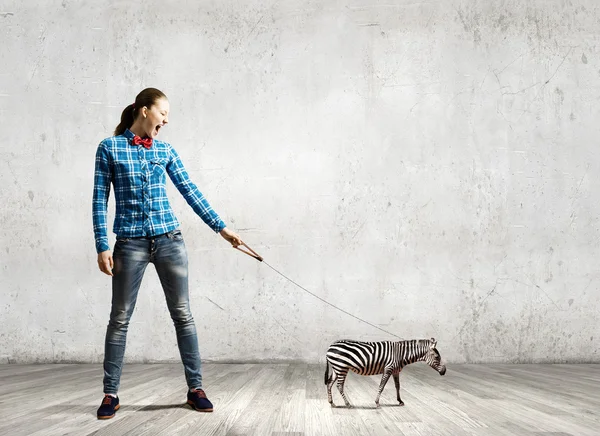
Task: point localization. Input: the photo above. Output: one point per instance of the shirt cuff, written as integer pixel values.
(218, 226)
(102, 245)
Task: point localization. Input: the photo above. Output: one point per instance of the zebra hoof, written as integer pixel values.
(401, 403)
(377, 405)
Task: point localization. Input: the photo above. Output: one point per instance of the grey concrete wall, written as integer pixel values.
(431, 167)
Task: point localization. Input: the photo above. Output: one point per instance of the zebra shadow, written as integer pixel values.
(373, 407)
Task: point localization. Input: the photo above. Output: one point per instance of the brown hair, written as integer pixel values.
(147, 98)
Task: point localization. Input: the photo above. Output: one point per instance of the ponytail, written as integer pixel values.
(127, 118)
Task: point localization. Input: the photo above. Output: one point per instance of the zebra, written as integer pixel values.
(371, 358)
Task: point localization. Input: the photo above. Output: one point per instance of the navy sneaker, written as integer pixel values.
(197, 399)
(108, 407)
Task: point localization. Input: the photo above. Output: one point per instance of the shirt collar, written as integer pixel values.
(128, 134)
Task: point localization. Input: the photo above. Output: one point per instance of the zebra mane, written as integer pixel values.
(418, 342)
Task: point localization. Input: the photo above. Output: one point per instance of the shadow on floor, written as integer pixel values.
(373, 407)
(162, 407)
(91, 409)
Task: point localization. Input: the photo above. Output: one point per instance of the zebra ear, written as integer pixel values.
(433, 343)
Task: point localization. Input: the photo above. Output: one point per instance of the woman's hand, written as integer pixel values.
(231, 237)
(105, 262)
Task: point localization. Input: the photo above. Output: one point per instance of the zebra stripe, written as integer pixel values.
(372, 358)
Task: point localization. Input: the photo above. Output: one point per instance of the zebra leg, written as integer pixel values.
(340, 384)
(329, 385)
(397, 383)
(384, 380)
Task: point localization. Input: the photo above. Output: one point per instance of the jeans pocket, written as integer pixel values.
(122, 240)
(175, 235)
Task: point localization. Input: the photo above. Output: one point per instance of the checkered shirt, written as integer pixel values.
(138, 176)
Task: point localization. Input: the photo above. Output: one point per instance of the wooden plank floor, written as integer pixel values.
(290, 400)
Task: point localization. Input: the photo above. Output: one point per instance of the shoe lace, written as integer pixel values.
(107, 399)
(200, 393)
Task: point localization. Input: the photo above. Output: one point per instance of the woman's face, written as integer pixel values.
(155, 117)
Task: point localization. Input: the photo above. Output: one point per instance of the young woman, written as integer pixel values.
(147, 232)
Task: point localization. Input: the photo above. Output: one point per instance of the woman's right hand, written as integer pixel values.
(105, 262)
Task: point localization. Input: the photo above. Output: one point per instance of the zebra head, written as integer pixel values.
(433, 358)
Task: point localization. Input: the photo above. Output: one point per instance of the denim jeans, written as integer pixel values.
(131, 257)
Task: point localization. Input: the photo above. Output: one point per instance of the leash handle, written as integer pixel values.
(250, 253)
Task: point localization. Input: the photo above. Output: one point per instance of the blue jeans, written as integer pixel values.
(131, 257)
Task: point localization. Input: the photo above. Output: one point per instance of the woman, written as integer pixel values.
(147, 232)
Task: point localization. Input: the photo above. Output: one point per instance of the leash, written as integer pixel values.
(255, 255)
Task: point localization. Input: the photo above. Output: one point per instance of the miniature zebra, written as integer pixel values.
(371, 358)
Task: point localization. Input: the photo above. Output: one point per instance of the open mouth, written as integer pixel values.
(157, 128)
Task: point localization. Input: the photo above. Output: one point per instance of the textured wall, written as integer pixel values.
(431, 167)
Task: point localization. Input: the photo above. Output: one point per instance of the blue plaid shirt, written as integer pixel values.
(138, 176)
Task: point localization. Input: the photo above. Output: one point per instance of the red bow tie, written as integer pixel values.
(147, 142)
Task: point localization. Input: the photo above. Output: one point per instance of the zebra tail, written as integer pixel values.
(327, 376)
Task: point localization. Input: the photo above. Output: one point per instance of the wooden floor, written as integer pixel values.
(291, 400)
